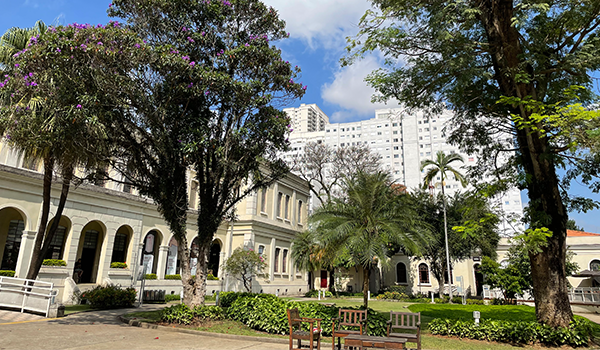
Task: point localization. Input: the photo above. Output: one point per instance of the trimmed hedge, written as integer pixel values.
(315, 293)
(7, 273)
(151, 276)
(173, 277)
(54, 262)
(118, 265)
(110, 297)
(392, 296)
(522, 332)
(182, 314)
(172, 297)
(268, 313)
(226, 299)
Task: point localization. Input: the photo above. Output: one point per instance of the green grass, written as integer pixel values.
(465, 312)
(70, 309)
(145, 316)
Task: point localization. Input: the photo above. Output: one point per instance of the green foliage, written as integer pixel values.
(368, 222)
(173, 277)
(210, 277)
(577, 334)
(244, 265)
(315, 293)
(269, 314)
(392, 296)
(475, 302)
(183, 314)
(172, 297)
(7, 273)
(465, 312)
(54, 262)
(118, 265)
(110, 297)
(474, 226)
(150, 276)
(226, 299)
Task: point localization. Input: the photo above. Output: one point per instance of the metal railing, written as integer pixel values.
(24, 294)
(586, 295)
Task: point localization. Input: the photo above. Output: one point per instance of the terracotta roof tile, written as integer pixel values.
(573, 233)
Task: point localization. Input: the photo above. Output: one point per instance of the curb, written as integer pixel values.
(136, 323)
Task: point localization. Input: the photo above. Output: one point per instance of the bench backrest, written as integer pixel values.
(293, 314)
(353, 318)
(405, 320)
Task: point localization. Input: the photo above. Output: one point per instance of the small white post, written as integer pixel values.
(319, 291)
(432, 299)
(476, 316)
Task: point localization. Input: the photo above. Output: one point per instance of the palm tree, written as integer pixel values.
(307, 254)
(366, 222)
(441, 165)
(16, 39)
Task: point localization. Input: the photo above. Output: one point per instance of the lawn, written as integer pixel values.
(70, 309)
(465, 312)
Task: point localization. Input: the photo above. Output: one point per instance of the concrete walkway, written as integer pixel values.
(590, 316)
(103, 330)
(15, 316)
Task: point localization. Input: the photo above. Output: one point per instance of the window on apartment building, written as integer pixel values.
(420, 146)
(422, 154)
(379, 133)
(435, 128)
(396, 156)
(420, 130)
(395, 140)
(279, 203)
(395, 132)
(426, 129)
(263, 200)
(276, 260)
(358, 128)
(420, 137)
(352, 128)
(299, 216)
(386, 125)
(284, 261)
(471, 159)
(378, 126)
(394, 124)
(427, 153)
(395, 148)
(341, 144)
(433, 121)
(343, 129)
(327, 130)
(287, 207)
(419, 122)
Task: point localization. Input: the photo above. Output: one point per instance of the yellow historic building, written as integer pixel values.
(110, 222)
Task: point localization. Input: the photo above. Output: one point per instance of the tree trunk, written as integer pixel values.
(366, 280)
(201, 274)
(36, 257)
(187, 281)
(332, 280)
(537, 159)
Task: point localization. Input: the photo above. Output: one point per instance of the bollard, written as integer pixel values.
(432, 299)
(319, 297)
(217, 299)
(476, 316)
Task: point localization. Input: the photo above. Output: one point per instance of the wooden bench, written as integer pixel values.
(365, 341)
(313, 334)
(351, 318)
(408, 321)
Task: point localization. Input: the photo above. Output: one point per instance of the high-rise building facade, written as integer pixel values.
(402, 140)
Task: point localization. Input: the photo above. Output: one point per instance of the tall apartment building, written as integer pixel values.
(402, 139)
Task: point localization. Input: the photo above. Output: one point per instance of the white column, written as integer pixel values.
(294, 209)
(275, 202)
(272, 259)
(25, 253)
(292, 270)
(163, 251)
(105, 255)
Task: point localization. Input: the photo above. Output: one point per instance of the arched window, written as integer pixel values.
(401, 273)
(423, 273)
(172, 267)
(120, 248)
(13, 243)
(150, 251)
(57, 245)
(213, 260)
(595, 265)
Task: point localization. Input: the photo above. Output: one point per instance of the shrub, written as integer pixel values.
(226, 299)
(150, 276)
(172, 297)
(457, 300)
(173, 277)
(475, 302)
(7, 273)
(182, 314)
(268, 313)
(210, 277)
(54, 262)
(523, 332)
(110, 297)
(315, 294)
(118, 265)
(397, 289)
(392, 296)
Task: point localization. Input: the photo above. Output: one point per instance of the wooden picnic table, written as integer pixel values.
(366, 341)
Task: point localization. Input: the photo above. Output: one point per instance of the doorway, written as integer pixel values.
(478, 279)
(88, 256)
(323, 278)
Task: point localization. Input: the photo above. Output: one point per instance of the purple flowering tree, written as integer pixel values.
(226, 123)
(55, 104)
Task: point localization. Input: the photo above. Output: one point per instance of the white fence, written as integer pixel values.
(24, 294)
(586, 295)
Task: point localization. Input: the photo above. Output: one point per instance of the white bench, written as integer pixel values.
(24, 294)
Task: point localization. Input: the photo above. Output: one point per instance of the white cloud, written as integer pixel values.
(350, 92)
(319, 23)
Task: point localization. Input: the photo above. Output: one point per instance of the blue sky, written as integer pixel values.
(318, 29)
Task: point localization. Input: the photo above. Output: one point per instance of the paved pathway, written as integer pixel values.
(102, 330)
(15, 316)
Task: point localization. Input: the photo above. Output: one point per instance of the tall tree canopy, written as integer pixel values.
(366, 221)
(234, 90)
(533, 57)
(57, 94)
